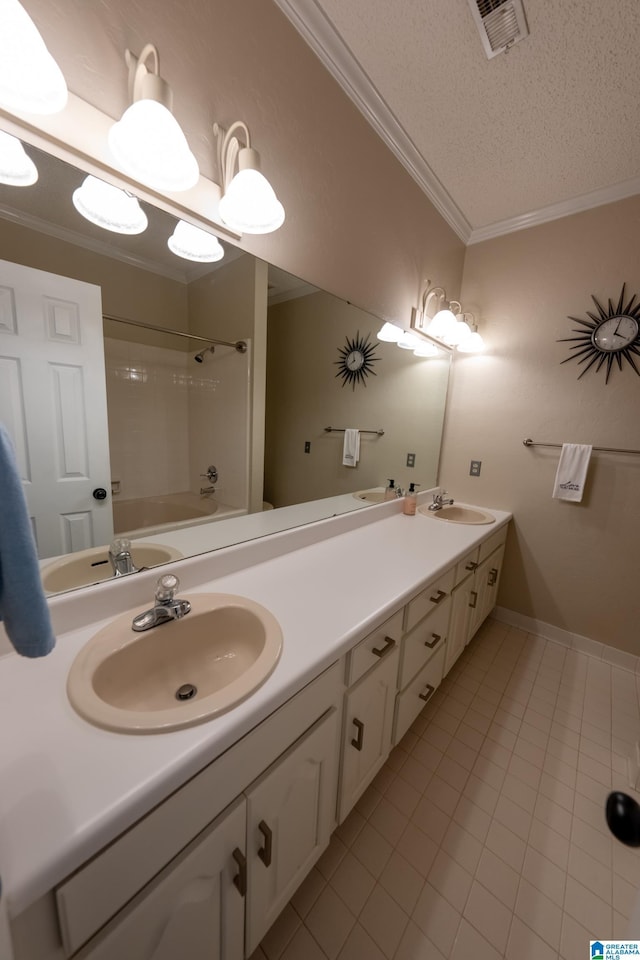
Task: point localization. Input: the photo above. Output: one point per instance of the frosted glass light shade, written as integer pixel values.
(457, 333)
(473, 344)
(149, 145)
(250, 205)
(441, 324)
(192, 243)
(426, 350)
(109, 207)
(408, 341)
(16, 168)
(389, 332)
(30, 79)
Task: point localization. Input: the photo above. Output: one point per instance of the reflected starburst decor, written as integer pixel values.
(613, 334)
(356, 360)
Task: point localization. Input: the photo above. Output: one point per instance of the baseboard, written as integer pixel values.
(593, 648)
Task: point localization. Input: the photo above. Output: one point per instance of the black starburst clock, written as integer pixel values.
(356, 360)
(610, 336)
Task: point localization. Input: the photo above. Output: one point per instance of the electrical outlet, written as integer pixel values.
(411, 459)
(474, 469)
(307, 446)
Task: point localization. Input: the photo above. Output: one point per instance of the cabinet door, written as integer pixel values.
(485, 590)
(290, 816)
(194, 908)
(367, 730)
(459, 623)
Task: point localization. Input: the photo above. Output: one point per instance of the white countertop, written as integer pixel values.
(68, 788)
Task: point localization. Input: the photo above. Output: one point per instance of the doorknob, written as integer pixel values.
(99, 493)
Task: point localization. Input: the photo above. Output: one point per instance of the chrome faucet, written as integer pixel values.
(120, 558)
(166, 606)
(439, 501)
(212, 476)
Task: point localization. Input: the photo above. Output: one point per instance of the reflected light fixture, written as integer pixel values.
(192, 243)
(147, 141)
(248, 203)
(109, 207)
(16, 168)
(389, 332)
(30, 79)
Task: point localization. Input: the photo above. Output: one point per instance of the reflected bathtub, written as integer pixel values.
(173, 511)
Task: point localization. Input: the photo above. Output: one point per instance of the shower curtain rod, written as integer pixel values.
(239, 345)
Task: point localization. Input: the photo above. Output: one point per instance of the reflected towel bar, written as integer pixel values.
(537, 443)
(379, 433)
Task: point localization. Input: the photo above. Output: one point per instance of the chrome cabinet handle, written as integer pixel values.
(358, 741)
(437, 637)
(471, 565)
(493, 576)
(240, 879)
(265, 852)
(441, 594)
(389, 644)
(428, 693)
(474, 594)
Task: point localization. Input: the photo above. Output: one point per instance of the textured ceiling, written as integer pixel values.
(555, 119)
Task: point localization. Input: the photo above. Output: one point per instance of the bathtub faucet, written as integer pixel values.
(212, 476)
(121, 559)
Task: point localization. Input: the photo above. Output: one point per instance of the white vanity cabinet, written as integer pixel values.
(372, 671)
(290, 818)
(194, 908)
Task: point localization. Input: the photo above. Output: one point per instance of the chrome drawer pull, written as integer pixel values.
(439, 598)
(240, 880)
(437, 637)
(389, 644)
(471, 565)
(428, 693)
(265, 852)
(359, 740)
(475, 599)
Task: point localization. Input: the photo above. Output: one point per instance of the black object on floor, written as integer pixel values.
(623, 818)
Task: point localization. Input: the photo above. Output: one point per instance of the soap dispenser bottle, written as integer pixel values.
(410, 500)
(390, 492)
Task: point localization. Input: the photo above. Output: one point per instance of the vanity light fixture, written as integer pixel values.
(16, 168)
(109, 207)
(147, 141)
(192, 243)
(248, 203)
(450, 324)
(389, 332)
(30, 79)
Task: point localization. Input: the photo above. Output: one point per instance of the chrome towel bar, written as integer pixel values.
(379, 433)
(538, 443)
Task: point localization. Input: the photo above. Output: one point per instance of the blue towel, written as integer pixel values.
(23, 605)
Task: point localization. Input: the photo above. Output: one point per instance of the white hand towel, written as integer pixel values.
(351, 449)
(572, 471)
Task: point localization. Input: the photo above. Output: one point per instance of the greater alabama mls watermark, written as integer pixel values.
(614, 949)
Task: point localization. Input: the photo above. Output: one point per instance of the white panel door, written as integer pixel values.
(53, 403)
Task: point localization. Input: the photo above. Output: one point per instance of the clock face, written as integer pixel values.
(615, 333)
(612, 335)
(356, 360)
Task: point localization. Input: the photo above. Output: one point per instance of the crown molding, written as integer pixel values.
(318, 32)
(555, 211)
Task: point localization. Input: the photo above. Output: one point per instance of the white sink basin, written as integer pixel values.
(179, 673)
(458, 513)
(93, 566)
(370, 496)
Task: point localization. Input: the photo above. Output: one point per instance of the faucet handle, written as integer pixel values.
(120, 545)
(166, 587)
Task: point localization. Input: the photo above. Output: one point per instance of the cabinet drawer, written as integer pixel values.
(423, 641)
(374, 647)
(432, 596)
(411, 701)
(492, 543)
(467, 565)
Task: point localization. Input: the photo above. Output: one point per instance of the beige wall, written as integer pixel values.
(571, 565)
(404, 396)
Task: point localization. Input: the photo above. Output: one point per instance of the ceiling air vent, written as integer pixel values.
(501, 24)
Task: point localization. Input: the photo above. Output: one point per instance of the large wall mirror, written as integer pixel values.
(185, 405)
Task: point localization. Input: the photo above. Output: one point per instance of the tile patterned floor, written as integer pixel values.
(483, 837)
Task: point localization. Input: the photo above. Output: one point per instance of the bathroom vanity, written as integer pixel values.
(191, 842)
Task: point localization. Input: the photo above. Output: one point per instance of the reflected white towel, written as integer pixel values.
(572, 471)
(351, 449)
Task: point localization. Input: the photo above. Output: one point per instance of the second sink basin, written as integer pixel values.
(458, 513)
(92, 565)
(179, 673)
